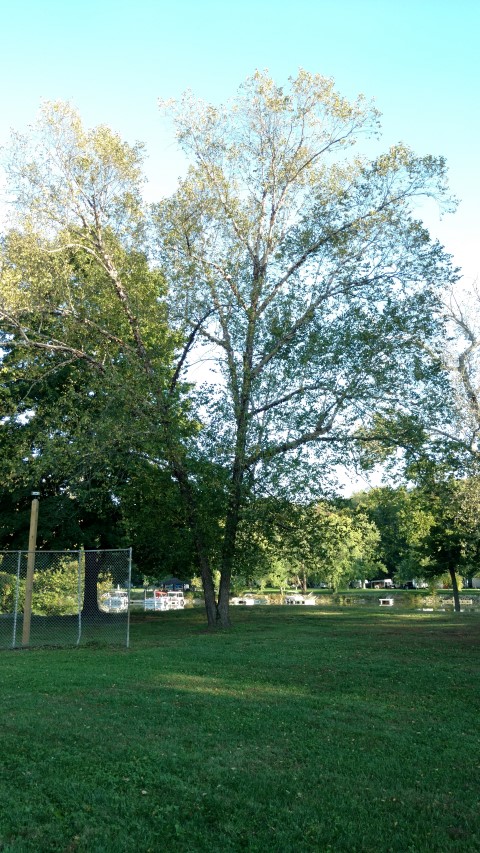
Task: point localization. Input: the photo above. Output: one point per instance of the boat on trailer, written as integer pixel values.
(161, 600)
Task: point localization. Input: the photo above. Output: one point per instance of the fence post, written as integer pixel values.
(17, 592)
(79, 594)
(129, 588)
(32, 544)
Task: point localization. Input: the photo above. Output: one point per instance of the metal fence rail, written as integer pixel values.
(65, 598)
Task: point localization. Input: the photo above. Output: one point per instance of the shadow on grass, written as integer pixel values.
(298, 730)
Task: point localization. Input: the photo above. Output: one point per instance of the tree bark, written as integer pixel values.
(229, 544)
(242, 403)
(189, 501)
(228, 553)
(90, 609)
(208, 587)
(456, 596)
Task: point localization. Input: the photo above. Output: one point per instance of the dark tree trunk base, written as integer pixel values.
(90, 609)
(456, 596)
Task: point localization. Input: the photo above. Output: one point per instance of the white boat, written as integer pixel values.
(172, 600)
(115, 601)
(299, 599)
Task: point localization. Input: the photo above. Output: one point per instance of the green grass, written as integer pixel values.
(64, 630)
(298, 730)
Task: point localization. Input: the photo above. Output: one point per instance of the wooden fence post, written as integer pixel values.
(32, 544)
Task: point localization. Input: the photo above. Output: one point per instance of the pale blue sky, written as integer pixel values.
(114, 58)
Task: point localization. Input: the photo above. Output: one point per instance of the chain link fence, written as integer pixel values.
(63, 598)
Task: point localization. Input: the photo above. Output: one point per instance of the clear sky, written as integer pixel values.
(114, 58)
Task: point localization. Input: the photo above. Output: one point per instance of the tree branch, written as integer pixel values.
(187, 348)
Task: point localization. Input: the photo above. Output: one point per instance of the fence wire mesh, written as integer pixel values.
(64, 598)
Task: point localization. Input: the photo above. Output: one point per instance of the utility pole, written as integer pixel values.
(32, 544)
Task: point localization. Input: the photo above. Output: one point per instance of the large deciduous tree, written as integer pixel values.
(89, 379)
(298, 270)
(316, 280)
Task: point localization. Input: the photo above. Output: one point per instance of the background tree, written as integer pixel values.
(429, 530)
(89, 378)
(84, 447)
(76, 286)
(50, 442)
(403, 519)
(460, 357)
(449, 430)
(452, 544)
(324, 543)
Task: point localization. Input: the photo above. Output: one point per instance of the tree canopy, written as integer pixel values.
(296, 268)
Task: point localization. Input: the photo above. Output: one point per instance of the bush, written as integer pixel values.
(7, 592)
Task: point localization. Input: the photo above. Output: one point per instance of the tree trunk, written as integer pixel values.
(228, 553)
(232, 519)
(456, 596)
(90, 609)
(228, 550)
(208, 589)
(223, 607)
(189, 500)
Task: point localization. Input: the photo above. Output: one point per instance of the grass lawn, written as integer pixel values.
(299, 730)
(65, 631)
